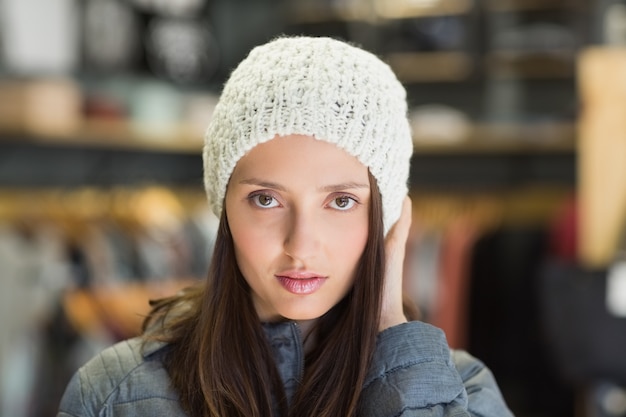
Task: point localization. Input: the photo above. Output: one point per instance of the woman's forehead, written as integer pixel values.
(301, 156)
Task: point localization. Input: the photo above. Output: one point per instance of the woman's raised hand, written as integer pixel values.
(395, 248)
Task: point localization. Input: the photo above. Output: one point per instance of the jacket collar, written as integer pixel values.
(273, 331)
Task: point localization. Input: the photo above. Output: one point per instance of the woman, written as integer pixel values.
(306, 162)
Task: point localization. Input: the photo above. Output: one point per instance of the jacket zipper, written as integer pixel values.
(299, 349)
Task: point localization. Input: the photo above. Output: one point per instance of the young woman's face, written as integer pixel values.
(298, 214)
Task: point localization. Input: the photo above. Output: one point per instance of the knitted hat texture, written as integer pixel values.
(317, 87)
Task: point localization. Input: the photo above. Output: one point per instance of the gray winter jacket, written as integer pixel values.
(413, 374)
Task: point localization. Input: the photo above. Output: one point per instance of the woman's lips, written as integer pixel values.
(301, 283)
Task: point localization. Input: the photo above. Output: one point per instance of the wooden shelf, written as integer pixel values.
(512, 64)
(309, 12)
(517, 6)
(424, 8)
(414, 67)
(313, 13)
(109, 135)
(503, 139)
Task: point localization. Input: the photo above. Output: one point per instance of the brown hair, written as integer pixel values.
(221, 364)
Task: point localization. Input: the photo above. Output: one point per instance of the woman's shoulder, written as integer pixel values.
(128, 372)
(124, 362)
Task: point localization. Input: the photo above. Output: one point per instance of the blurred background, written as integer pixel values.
(518, 177)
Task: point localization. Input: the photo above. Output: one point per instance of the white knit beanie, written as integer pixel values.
(317, 87)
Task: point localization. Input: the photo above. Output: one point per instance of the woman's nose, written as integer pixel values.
(303, 235)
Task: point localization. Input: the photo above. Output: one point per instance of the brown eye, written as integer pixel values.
(343, 203)
(264, 201)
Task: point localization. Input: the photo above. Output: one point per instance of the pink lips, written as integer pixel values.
(301, 283)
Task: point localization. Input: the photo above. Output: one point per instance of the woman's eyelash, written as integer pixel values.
(343, 202)
(266, 200)
(263, 199)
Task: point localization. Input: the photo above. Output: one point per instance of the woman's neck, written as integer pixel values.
(309, 335)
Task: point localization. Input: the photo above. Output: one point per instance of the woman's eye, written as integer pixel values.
(264, 200)
(342, 203)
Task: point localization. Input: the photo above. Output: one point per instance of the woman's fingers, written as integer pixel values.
(395, 248)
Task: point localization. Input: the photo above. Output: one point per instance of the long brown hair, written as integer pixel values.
(220, 362)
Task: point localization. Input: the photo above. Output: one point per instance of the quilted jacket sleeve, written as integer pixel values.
(94, 383)
(415, 374)
(122, 382)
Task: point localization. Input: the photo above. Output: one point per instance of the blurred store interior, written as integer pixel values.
(518, 177)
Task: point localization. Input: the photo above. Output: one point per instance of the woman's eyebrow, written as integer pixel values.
(262, 183)
(344, 186)
(327, 188)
